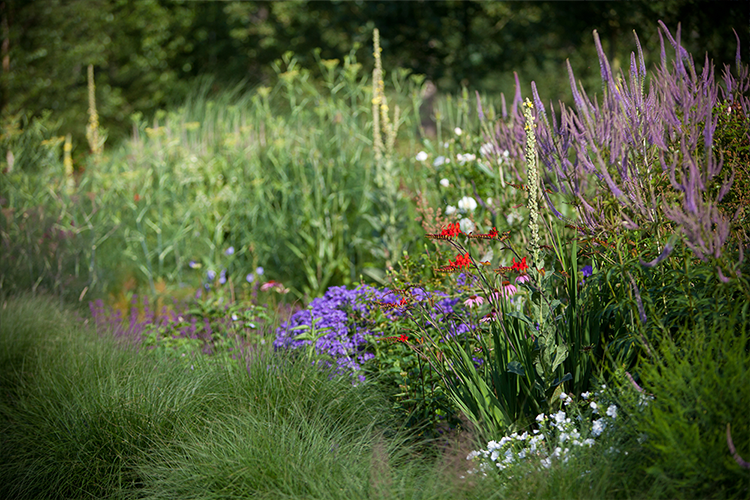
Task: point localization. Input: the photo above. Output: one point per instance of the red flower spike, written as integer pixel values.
(403, 338)
(449, 232)
(519, 266)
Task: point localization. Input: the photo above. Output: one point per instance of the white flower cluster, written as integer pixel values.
(556, 438)
(464, 158)
(467, 204)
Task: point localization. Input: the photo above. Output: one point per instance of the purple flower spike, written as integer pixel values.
(603, 62)
(723, 278)
(480, 112)
(663, 255)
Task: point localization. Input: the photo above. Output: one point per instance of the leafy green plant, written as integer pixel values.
(699, 386)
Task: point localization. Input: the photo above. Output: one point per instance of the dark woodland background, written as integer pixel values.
(148, 54)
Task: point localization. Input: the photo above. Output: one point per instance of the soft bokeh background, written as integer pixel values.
(146, 53)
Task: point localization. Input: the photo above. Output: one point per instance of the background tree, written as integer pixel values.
(147, 53)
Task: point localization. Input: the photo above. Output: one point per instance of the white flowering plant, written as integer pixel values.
(559, 436)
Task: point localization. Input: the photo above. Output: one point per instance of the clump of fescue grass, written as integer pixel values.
(82, 416)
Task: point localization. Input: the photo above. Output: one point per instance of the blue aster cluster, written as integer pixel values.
(349, 315)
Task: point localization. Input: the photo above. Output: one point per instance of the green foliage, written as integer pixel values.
(49, 237)
(143, 66)
(636, 307)
(238, 170)
(82, 417)
(699, 384)
(732, 141)
(403, 369)
(226, 331)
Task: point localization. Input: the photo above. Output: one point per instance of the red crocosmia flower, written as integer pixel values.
(403, 338)
(519, 266)
(136, 197)
(461, 261)
(451, 230)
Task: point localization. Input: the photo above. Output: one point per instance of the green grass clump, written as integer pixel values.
(83, 416)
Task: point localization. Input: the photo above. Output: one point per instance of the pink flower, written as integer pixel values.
(474, 300)
(523, 278)
(508, 290)
(274, 286)
(488, 317)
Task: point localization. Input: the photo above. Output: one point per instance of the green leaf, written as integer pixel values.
(517, 368)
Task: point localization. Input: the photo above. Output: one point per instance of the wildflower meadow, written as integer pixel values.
(295, 291)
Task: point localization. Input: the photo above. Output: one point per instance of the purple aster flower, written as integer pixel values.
(223, 276)
(229, 251)
(211, 275)
(250, 277)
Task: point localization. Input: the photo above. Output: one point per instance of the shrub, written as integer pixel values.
(699, 385)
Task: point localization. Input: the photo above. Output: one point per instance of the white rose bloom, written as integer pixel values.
(445, 182)
(466, 225)
(421, 156)
(467, 203)
(450, 210)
